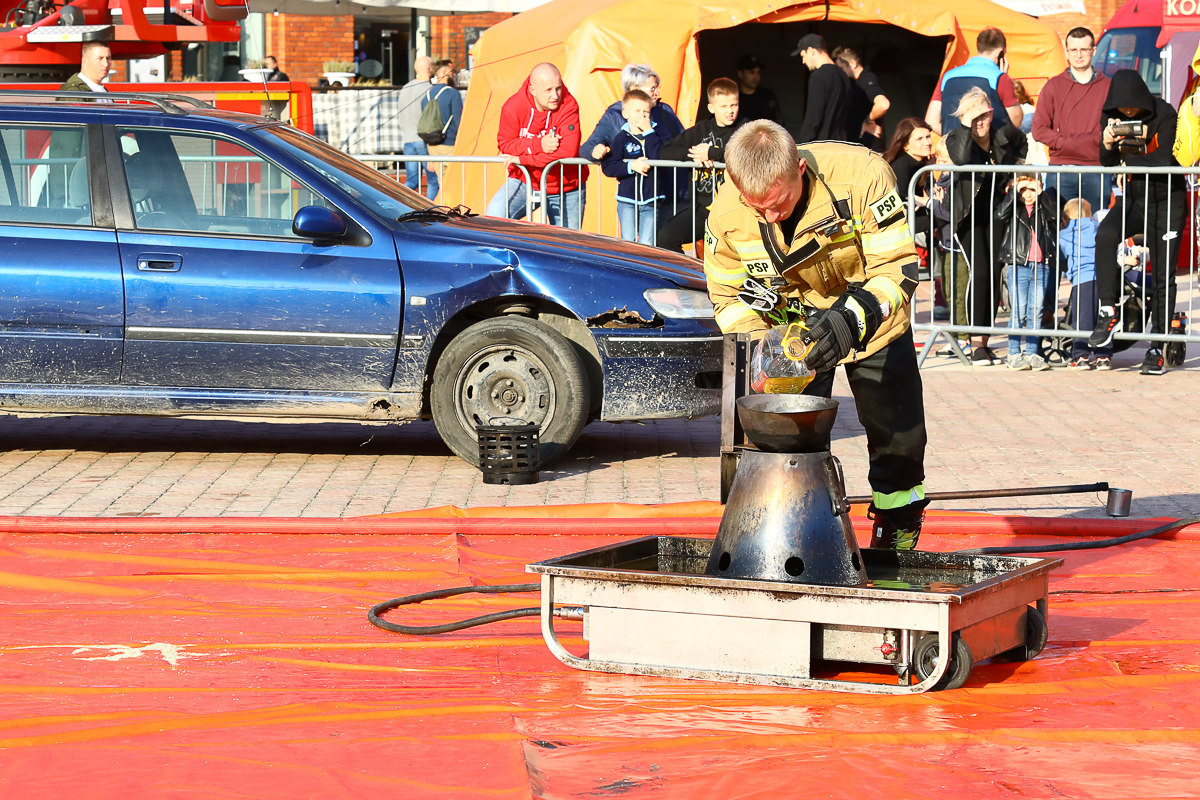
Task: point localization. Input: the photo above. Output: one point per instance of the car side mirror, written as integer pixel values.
(319, 223)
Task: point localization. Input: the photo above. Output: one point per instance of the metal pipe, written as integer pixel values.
(1031, 491)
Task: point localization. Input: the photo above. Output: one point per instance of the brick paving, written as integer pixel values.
(989, 427)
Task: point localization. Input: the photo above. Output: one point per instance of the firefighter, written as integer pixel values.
(821, 233)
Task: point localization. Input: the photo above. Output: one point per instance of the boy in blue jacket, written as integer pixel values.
(639, 188)
(1077, 244)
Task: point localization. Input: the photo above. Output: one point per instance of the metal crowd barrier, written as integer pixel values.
(974, 294)
(681, 197)
(461, 192)
(473, 189)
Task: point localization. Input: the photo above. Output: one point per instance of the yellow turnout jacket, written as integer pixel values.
(853, 229)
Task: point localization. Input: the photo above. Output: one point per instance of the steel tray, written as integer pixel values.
(649, 609)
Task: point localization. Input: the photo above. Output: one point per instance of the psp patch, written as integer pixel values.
(886, 207)
(760, 269)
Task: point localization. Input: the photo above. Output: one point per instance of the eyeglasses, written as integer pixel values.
(1076, 51)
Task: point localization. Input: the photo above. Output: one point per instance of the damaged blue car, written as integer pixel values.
(168, 259)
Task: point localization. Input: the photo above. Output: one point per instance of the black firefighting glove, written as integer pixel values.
(848, 325)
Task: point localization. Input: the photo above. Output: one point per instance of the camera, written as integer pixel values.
(1130, 136)
(1132, 129)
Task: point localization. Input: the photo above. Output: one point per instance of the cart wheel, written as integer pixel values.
(1036, 634)
(925, 660)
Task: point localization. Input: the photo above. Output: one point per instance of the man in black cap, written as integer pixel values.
(754, 101)
(827, 113)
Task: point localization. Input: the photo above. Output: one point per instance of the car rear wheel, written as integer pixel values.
(509, 371)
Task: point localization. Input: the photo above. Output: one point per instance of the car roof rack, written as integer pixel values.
(168, 103)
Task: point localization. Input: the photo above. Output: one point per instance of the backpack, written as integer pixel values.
(430, 127)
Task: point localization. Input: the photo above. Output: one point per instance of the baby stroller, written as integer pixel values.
(1138, 283)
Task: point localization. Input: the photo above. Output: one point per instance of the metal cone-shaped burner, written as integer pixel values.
(787, 518)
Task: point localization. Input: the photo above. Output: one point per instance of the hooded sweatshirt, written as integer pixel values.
(1077, 244)
(633, 187)
(1128, 90)
(611, 122)
(522, 126)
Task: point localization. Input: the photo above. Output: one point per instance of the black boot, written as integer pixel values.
(897, 528)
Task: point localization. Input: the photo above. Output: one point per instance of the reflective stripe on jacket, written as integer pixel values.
(852, 230)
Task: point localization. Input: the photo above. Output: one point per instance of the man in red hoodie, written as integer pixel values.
(1067, 121)
(538, 125)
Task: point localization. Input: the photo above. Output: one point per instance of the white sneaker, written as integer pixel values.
(1018, 362)
(1037, 363)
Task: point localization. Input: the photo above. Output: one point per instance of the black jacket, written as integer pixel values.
(707, 132)
(827, 112)
(1128, 90)
(763, 104)
(1008, 146)
(1017, 228)
(905, 166)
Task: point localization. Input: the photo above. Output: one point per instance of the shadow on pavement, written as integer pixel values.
(148, 434)
(600, 443)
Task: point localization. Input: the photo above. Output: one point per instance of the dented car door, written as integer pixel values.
(219, 291)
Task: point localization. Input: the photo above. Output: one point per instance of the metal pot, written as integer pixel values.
(787, 423)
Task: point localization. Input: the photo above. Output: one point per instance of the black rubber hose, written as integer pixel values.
(374, 614)
(1093, 545)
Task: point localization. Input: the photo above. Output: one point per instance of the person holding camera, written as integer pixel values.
(1139, 131)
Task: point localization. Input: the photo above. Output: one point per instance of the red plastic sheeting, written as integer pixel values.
(658, 522)
(242, 666)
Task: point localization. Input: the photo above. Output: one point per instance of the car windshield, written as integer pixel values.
(1131, 48)
(379, 193)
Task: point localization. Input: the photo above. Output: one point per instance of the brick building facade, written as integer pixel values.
(1099, 12)
(448, 36)
(303, 43)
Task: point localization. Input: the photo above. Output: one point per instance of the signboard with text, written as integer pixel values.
(1179, 16)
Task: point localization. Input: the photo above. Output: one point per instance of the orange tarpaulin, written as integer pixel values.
(242, 666)
(591, 40)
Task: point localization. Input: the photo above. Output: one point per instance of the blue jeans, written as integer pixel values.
(509, 203)
(1094, 188)
(414, 168)
(1026, 295)
(1084, 308)
(639, 223)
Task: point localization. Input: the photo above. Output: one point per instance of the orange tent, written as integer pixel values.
(690, 42)
(591, 40)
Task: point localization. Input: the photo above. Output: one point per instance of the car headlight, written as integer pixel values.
(679, 303)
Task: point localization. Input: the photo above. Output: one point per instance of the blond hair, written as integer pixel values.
(1076, 208)
(974, 96)
(940, 154)
(722, 87)
(760, 155)
(636, 94)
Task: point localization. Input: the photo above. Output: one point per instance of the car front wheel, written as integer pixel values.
(509, 371)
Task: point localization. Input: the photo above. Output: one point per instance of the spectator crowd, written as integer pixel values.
(994, 241)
